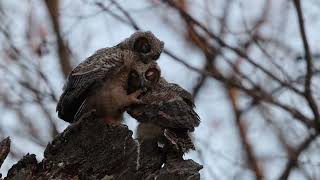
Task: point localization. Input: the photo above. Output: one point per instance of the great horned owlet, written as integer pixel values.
(166, 114)
(100, 82)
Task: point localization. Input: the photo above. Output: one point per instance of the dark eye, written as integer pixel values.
(152, 75)
(133, 82)
(134, 74)
(142, 45)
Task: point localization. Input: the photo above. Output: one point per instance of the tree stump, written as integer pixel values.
(93, 149)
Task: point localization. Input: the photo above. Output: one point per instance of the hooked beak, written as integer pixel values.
(143, 83)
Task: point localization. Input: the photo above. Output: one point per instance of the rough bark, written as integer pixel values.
(92, 149)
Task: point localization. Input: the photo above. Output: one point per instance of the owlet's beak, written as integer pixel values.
(143, 84)
(144, 59)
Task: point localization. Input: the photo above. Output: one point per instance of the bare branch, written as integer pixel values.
(63, 50)
(295, 154)
(308, 80)
(253, 162)
(222, 43)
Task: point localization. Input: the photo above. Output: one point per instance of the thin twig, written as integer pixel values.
(294, 156)
(237, 51)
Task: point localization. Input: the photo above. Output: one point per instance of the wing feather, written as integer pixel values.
(167, 105)
(86, 77)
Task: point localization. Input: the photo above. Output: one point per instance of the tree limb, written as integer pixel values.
(63, 50)
(309, 62)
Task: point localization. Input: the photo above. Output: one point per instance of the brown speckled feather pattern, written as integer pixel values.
(93, 74)
(170, 107)
(156, 44)
(89, 76)
(167, 105)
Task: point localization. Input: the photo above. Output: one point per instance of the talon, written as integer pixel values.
(134, 97)
(93, 111)
(138, 101)
(144, 90)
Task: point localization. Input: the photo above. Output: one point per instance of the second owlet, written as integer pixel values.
(166, 114)
(100, 82)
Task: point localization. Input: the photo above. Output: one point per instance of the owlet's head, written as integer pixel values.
(145, 43)
(143, 77)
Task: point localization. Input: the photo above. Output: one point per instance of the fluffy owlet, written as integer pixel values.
(100, 82)
(166, 115)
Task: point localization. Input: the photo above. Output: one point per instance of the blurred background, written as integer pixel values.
(252, 65)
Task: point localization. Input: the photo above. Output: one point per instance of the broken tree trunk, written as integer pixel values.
(92, 149)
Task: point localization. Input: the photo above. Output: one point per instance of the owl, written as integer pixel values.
(166, 114)
(149, 46)
(100, 82)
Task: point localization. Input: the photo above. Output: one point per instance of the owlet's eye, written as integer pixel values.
(142, 45)
(134, 76)
(133, 82)
(152, 75)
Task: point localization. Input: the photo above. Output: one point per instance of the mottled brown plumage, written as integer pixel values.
(100, 82)
(146, 43)
(166, 113)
